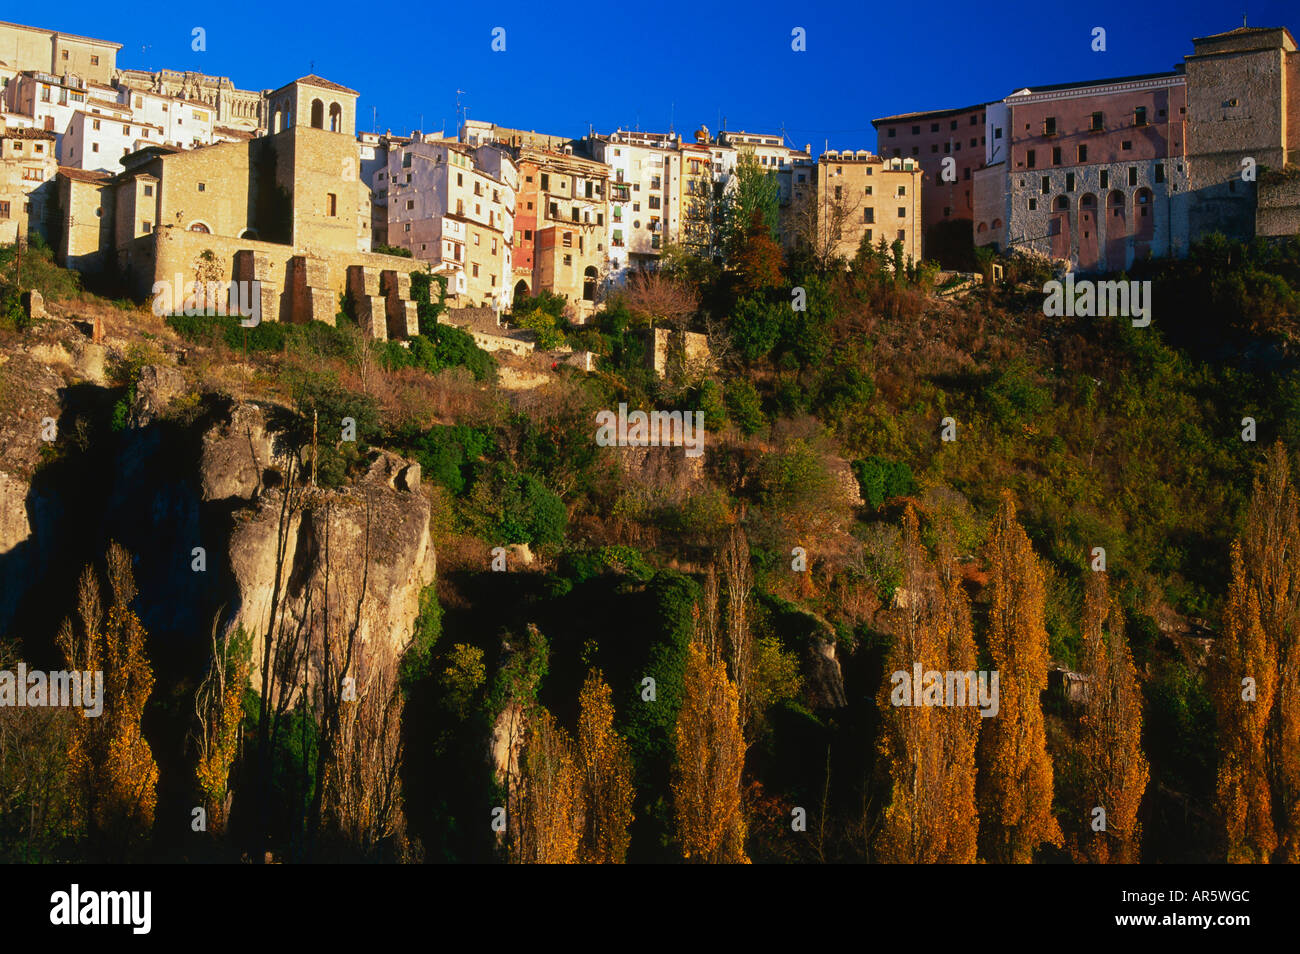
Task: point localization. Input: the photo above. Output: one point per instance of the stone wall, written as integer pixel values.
(1277, 211)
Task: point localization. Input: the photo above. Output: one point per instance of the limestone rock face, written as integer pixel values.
(359, 556)
(236, 455)
(823, 678)
(157, 386)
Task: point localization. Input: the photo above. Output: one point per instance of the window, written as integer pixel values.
(18, 146)
(94, 124)
(1047, 185)
(475, 268)
(1031, 158)
(331, 204)
(1049, 126)
(868, 190)
(568, 259)
(654, 201)
(1083, 153)
(1105, 178)
(902, 212)
(528, 235)
(1140, 116)
(893, 133)
(1069, 182)
(1132, 175)
(146, 226)
(974, 142)
(203, 187)
(953, 124)
(868, 235)
(494, 246)
(1033, 205)
(126, 130)
(947, 211)
(902, 235)
(94, 147)
(997, 132)
(148, 190)
(476, 241)
(1056, 155)
(902, 190)
(1098, 122)
(410, 203)
(65, 54)
(868, 216)
(838, 191)
(916, 150)
(460, 178)
(4, 210)
(567, 241)
(94, 60)
(1160, 172)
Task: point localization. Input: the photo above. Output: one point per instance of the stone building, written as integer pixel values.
(845, 197)
(27, 170)
(1243, 102)
(57, 53)
(1096, 173)
(933, 138)
(232, 107)
(286, 209)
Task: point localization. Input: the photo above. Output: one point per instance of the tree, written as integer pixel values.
(219, 710)
(754, 191)
(652, 295)
(710, 760)
(1115, 771)
(1015, 772)
(738, 582)
(114, 777)
(605, 768)
(818, 220)
(1256, 677)
(549, 823)
(756, 257)
(930, 750)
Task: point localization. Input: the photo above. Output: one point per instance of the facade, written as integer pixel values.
(570, 229)
(453, 206)
(27, 170)
(644, 170)
(477, 132)
(281, 209)
(1096, 173)
(183, 123)
(1243, 102)
(695, 198)
(99, 141)
(56, 53)
(231, 107)
(850, 196)
(931, 138)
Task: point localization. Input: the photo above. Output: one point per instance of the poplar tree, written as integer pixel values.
(1256, 684)
(1015, 771)
(710, 760)
(114, 776)
(605, 769)
(549, 820)
(930, 750)
(1114, 770)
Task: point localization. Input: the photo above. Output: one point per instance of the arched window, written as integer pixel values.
(317, 114)
(200, 227)
(1062, 203)
(983, 227)
(1115, 202)
(1088, 201)
(336, 117)
(589, 279)
(521, 289)
(997, 223)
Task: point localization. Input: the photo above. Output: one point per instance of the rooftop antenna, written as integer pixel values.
(460, 112)
(374, 119)
(672, 117)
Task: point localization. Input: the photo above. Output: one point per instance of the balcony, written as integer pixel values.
(620, 192)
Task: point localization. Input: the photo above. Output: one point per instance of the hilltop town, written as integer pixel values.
(113, 165)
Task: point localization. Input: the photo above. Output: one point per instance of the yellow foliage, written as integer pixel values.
(605, 765)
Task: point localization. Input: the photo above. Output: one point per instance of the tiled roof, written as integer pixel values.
(24, 132)
(311, 79)
(83, 175)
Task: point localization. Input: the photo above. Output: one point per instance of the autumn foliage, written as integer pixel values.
(930, 750)
(605, 766)
(1015, 771)
(1114, 770)
(113, 776)
(710, 760)
(1257, 677)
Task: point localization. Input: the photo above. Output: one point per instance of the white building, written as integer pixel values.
(453, 206)
(98, 141)
(183, 124)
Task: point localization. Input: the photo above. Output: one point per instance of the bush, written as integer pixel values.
(744, 406)
(881, 479)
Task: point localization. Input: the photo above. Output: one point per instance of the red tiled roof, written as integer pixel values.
(83, 175)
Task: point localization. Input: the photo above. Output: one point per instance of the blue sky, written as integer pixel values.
(611, 64)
